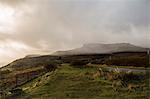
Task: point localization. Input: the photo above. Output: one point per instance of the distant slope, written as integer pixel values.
(33, 55)
(97, 48)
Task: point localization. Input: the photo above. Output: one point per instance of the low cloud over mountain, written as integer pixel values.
(102, 49)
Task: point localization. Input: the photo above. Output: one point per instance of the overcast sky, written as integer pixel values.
(44, 26)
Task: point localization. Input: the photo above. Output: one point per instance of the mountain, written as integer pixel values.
(97, 48)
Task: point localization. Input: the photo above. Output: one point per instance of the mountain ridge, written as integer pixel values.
(99, 48)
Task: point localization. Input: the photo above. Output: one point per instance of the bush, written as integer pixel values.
(79, 63)
(97, 61)
(50, 67)
(17, 91)
(131, 77)
(128, 61)
(5, 71)
(127, 78)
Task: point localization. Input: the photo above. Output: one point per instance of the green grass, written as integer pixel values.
(75, 83)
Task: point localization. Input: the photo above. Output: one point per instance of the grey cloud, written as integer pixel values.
(44, 26)
(12, 2)
(63, 24)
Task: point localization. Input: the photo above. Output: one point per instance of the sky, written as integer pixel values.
(45, 26)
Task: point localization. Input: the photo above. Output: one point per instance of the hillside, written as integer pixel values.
(29, 62)
(68, 82)
(23, 70)
(50, 77)
(39, 75)
(97, 48)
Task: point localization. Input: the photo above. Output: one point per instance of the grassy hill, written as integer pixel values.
(69, 82)
(77, 76)
(23, 70)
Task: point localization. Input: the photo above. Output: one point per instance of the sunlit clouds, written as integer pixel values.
(10, 50)
(7, 19)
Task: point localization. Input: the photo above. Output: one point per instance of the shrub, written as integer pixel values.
(16, 91)
(79, 63)
(131, 77)
(128, 61)
(50, 67)
(5, 71)
(97, 61)
(127, 78)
